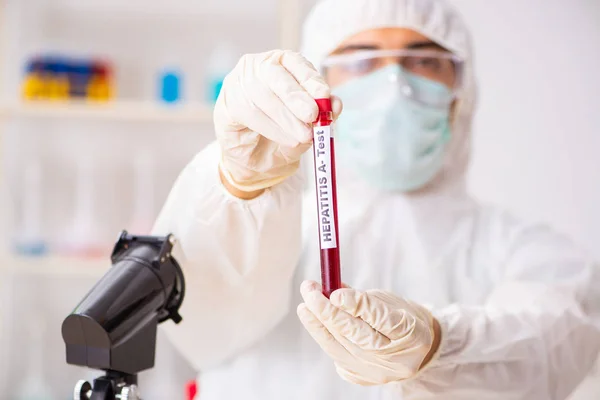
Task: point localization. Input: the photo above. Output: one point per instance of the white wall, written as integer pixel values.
(537, 131)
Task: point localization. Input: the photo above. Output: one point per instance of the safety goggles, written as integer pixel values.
(434, 65)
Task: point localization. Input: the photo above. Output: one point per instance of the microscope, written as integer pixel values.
(114, 327)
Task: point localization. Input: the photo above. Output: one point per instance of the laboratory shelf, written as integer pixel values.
(53, 266)
(164, 8)
(133, 111)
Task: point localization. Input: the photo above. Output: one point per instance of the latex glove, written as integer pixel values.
(373, 337)
(263, 117)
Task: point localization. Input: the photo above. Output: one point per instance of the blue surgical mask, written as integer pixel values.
(391, 139)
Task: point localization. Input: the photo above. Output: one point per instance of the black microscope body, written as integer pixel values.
(114, 327)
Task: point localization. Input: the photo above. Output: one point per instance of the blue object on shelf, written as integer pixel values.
(214, 88)
(80, 75)
(170, 87)
(31, 248)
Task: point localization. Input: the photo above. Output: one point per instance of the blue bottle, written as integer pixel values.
(80, 75)
(170, 86)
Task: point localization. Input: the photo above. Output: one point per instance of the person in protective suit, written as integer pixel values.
(446, 298)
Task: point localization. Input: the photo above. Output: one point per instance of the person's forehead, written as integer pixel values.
(383, 38)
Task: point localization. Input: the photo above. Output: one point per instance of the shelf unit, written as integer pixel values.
(53, 265)
(117, 111)
(288, 16)
(38, 287)
(171, 8)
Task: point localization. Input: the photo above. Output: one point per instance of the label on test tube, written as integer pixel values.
(322, 150)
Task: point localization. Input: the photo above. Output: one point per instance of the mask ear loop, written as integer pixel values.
(456, 104)
(459, 72)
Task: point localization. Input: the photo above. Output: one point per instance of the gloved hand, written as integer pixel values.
(373, 337)
(263, 117)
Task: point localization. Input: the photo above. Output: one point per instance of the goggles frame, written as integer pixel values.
(354, 57)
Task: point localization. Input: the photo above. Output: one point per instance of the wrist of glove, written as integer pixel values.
(374, 337)
(253, 182)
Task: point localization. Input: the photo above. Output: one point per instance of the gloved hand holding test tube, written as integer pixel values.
(325, 183)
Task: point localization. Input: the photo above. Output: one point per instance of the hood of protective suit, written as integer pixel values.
(332, 21)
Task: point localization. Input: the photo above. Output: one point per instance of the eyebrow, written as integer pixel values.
(424, 45)
(356, 47)
(411, 46)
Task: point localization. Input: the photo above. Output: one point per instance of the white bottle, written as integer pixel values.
(29, 238)
(143, 193)
(220, 62)
(82, 237)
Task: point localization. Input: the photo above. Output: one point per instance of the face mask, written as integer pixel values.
(387, 136)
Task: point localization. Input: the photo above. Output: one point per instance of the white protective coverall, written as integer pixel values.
(517, 303)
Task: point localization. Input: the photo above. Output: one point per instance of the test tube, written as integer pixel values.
(324, 158)
(30, 240)
(82, 237)
(143, 192)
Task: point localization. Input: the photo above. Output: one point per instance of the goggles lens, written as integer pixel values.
(437, 66)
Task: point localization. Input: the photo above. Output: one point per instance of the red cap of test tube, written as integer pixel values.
(325, 112)
(324, 105)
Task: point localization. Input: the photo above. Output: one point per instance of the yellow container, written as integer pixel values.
(99, 89)
(58, 88)
(33, 87)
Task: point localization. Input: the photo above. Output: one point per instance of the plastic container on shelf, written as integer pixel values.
(82, 237)
(34, 86)
(171, 86)
(100, 86)
(59, 77)
(221, 60)
(58, 85)
(29, 239)
(143, 212)
(79, 76)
